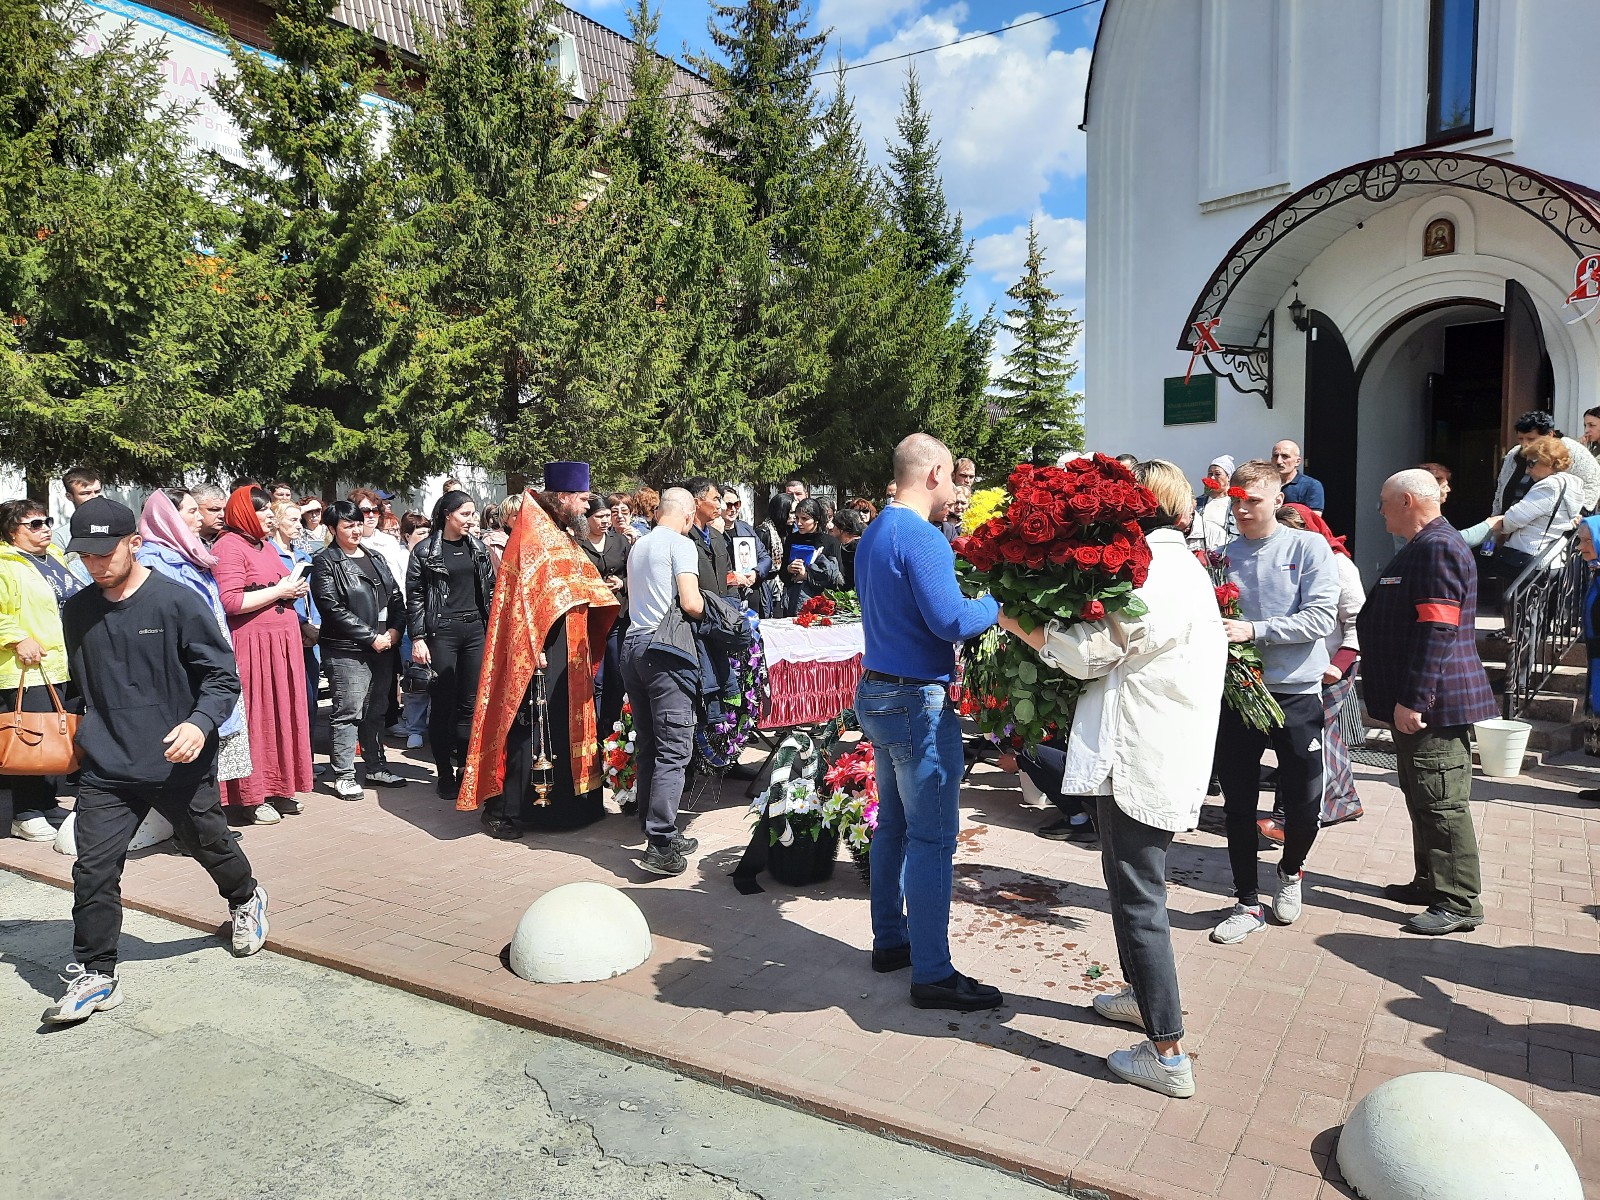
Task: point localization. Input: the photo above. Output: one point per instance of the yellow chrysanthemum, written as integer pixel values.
(990, 502)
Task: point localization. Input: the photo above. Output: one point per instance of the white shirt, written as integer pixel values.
(1145, 729)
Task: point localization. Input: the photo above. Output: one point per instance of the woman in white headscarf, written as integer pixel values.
(1213, 526)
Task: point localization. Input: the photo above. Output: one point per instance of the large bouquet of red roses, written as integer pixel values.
(1066, 546)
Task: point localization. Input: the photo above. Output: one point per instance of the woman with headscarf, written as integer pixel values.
(1341, 718)
(258, 593)
(170, 527)
(1212, 527)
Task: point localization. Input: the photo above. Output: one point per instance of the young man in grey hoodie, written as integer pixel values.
(1289, 596)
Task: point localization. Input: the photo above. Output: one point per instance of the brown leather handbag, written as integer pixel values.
(39, 743)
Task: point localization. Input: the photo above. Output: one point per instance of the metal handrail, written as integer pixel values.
(1543, 609)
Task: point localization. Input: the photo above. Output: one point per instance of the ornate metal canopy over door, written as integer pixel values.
(1230, 323)
(1526, 380)
(1331, 407)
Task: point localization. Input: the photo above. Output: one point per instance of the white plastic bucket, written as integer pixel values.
(1501, 745)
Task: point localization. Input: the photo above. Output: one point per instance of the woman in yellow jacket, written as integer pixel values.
(34, 584)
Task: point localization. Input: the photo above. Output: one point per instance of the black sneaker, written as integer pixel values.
(383, 777)
(685, 845)
(1438, 921)
(664, 860)
(1065, 831)
(960, 992)
(1416, 892)
(895, 958)
(501, 829)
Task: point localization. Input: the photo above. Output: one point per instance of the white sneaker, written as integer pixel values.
(250, 924)
(88, 992)
(1119, 1006)
(1141, 1064)
(33, 828)
(1240, 924)
(265, 814)
(347, 789)
(414, 741)
(1286, 908)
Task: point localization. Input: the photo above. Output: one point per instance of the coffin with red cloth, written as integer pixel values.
(812, 672)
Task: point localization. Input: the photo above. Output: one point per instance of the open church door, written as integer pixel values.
(1526, 380)
(1331, 408)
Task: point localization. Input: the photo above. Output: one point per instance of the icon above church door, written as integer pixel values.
(1440, 238)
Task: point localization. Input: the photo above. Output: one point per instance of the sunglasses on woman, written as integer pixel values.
(366, 511)
(38, 523)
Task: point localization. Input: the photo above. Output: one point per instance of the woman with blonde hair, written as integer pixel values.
(1141, 746)
(1534, 523)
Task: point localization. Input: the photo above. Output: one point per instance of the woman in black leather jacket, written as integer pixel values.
(449, 586)
(362, 615)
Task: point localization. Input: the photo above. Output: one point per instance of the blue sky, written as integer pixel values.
(1005, 108)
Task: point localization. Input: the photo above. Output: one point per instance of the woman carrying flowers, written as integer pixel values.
(1150, 669)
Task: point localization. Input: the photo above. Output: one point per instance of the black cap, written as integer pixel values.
(98, 526)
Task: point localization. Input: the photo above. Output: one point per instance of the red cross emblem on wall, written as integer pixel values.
(1205, 342)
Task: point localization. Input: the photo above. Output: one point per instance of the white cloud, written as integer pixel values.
(1000, 256)
(1006, 109)
(854, 20)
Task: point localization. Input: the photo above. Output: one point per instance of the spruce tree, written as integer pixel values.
(313, 211)
(529, 317)
(952, 403)
(883, 327)
(761, 136)
(122, 343)
(916, 191)
(1041, 419)
(693, 224)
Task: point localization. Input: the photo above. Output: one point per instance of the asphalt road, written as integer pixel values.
(273, 1078)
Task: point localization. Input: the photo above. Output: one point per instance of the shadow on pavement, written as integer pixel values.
(761, 962)
(1464, 1035)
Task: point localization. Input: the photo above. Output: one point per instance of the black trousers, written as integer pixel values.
(1298, 745)
(457, 654)
(1047, 766)
(31, 793)
(609, 690)
(107, 819)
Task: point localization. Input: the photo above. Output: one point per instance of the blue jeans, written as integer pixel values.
(916, 740)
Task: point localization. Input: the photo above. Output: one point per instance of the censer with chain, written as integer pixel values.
(544, 770)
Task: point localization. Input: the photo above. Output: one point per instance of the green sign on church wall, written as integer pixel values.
(1192, 403)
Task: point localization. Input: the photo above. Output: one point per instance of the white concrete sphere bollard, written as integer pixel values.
(153, 829)
(1437, 1136)
(579, 933)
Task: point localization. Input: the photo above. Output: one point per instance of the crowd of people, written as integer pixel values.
(509, 650)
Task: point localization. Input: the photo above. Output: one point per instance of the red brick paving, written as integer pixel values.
(771, 992)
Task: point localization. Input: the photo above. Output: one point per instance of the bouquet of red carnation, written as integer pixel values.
(818, 610)
(1245, 689)
(1066, 546)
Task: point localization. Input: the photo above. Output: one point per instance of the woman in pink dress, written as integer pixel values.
(258, 594)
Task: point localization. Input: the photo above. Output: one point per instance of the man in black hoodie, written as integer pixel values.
(158, 678)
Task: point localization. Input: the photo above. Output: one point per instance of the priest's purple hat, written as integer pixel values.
(566, 477)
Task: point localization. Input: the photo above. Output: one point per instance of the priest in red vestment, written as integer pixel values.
(551, 612)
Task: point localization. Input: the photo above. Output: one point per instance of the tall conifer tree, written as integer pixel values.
(121, 343)
(314, 207)
(527, 315)
(1041, 419)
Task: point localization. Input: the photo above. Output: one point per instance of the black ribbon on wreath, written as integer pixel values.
(802, 754)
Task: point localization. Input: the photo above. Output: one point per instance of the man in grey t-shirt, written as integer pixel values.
(663, 571)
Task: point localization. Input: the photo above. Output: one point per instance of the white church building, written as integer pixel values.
(1372, 226)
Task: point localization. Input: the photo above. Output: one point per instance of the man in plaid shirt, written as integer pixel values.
(1421, 672)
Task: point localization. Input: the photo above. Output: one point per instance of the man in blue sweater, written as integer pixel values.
(1289, 596)
(913, 613)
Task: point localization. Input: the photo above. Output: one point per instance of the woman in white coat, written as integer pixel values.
(1149, 676)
